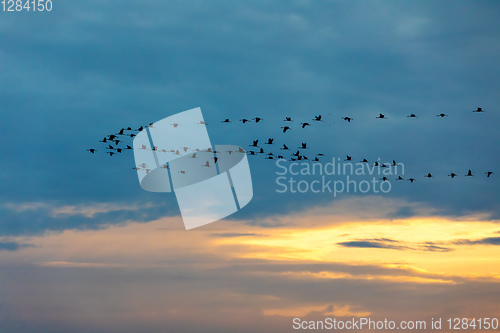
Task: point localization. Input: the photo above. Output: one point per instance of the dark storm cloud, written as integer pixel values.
(89, 68)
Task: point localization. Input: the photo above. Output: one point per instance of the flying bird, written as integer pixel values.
(305, 124)
(244, 120)
(285, 147)
(478, 110)
(348, 119)
(269, 141)
(286, 128)
(442, 115)
(452, 175)
(288, 119)
(469, 174)
(317, 118)
(381, 116)
(92, 150)
(488, 174)
(226, 121)
(429, 175)
(412, 116)
(257, 119)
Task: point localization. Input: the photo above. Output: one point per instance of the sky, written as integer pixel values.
(84, 248)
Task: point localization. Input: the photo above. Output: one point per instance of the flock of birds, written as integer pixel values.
(115, 144)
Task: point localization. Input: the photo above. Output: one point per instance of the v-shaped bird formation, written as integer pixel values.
(115, 144)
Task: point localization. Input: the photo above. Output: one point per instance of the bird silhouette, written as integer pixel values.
(285, 147)
(488, 174)
(364, 160)
(288, 119)
(478, 110)
(226, 121)
(394, 163)
(317, 118)
(261, 151)
(399, 178)
(257, 119)
(255, 143)
(121, 131)
(412, 116)
(103, 140)
(92, 150)
(469, 174)
(269, 141)
(442, 115)
(286, 128)
(303, 145)
(348, 158)
(452, 175)
(383, 178)
(411, 180)
(429, 175)
(305, 124)
(381, 116)
(348, 119)
(175, 125)
(244, 120)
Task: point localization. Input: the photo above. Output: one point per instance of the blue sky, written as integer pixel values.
(88, 68)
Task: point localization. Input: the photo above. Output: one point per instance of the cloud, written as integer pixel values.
(12, 246)
(482, 241)
(385, 243)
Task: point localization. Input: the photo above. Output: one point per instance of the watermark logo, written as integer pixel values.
(337, 176)
(175, 155)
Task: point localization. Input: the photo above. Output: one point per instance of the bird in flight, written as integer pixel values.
(269, 141)
(286, 128)
(478, 110)
(381, 116)
(488, 174)
(285, 147)
(469, 174)
(411, 180)
(348, 158)
(317, 118)
(452, 175)
(412, 116)
(226, 121)
(305, 124)
(255, 143)
(442, 115)
(92, 150)
(257, 119)
(244, 120)
(348, 119)
(288, 119)
(428, 175)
